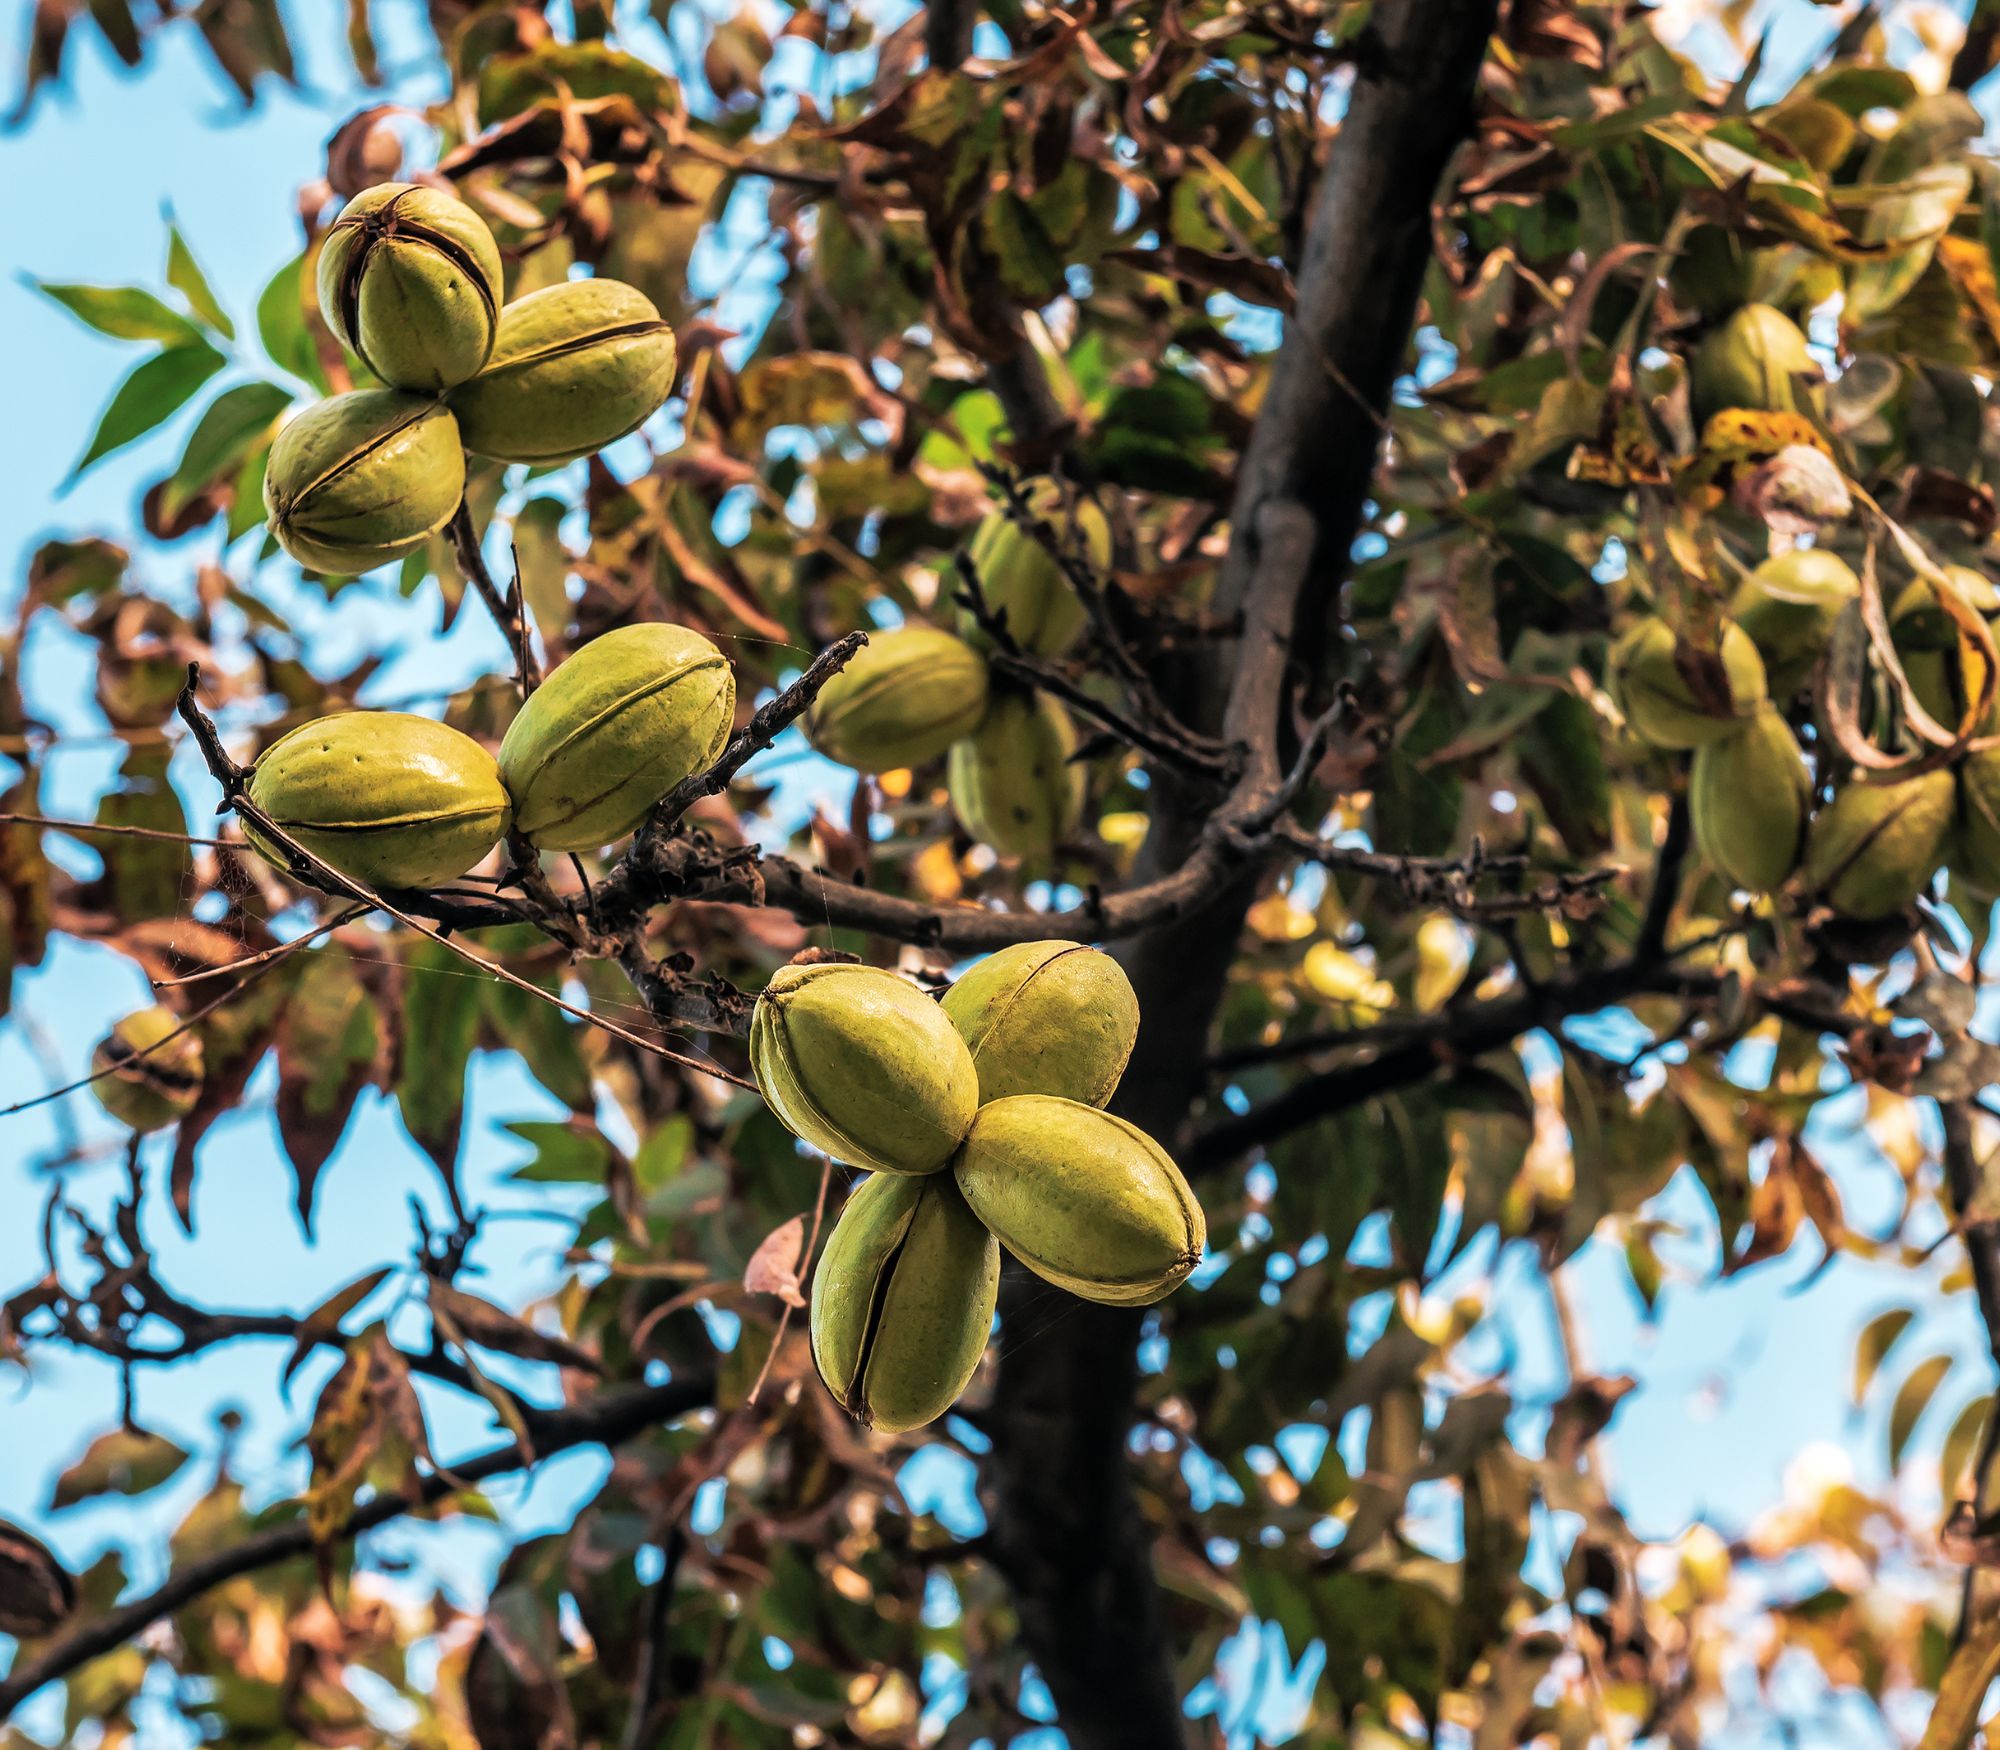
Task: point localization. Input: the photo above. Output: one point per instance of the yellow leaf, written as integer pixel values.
(1343, 978)
(934, 873)
(1443, 955)
(1275, 919)
(1124, 830)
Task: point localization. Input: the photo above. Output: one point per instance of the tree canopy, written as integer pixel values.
(1513, 478)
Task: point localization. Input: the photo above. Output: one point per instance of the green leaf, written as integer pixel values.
(150, 395)
(441, 1016)
(1913, 1397)
(185, 276)
(281, 325)
(326, 1051)
(547, 1040)
(662, 1155)
(246, 511)
(124, 312)
(127, 1461)
(570, 1153)
(1029, 265)
(231, 426)
(146, 877)
(544, 563)
(1872, 1348)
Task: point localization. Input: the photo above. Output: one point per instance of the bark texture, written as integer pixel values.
(1066, 1529)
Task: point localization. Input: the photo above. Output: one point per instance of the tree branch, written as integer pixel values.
(948, 31)
(1451, 1038)
(1962, 1174)
(1980, 49)
(508, 611)
(605, 1421)
(1067, 1532)
(769, 722)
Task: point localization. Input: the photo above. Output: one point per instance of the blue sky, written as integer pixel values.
(1737, 1376)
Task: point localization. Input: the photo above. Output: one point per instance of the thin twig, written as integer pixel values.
(648, 1677)
(1172, 742)
(132, 1056)
(506, 610)
(764, 727)
(316, 871)
(91, 827)
(805, 1255)
(275, 953)
(606, 1421)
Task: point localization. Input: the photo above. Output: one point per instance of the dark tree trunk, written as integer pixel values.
(1066, 1530)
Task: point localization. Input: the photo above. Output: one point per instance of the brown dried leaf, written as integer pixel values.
(367, 1428)
(323, 1322)
(126, 1461)
(774, 1265)
(36, 1591)
(493, 1327)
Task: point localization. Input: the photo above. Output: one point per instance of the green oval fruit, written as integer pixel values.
(1944, 671)
(616, 727)
(864, 1066)
(387, 798)
(1788, 606)
(410, 279)
(1976, 856)
(574, 367)
(1014, 784)
(358, 480)
(906, 696)
(1753, 360)
(1046, 1018)
(902, 1301)
(1084, 1199)
(155, 1069)
(1657, 698)
(1875, 847)
(1021, 578)
(1749, 794)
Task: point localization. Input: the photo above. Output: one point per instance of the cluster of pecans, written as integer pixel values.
(980, 1121)
(1724, 696)
(920, 692)
(410, 280)
(1875, 846)
(1002, 1083)
(400, 801)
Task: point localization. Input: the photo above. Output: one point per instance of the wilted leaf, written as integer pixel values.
(1961, 1694)
(323, 1322)
(127, 1461)
(1913, 1397)
(1877, 1338)
(493, 1327)
(774, 1265)
(326, 1042)
(441, 1008)
(1960, 1443)
(367, 1428)
(36, 1591)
